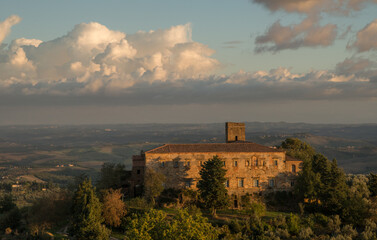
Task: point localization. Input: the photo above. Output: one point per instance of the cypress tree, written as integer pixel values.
(212, 185)
(87, 219)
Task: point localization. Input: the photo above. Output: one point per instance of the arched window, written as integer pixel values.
(293, 168)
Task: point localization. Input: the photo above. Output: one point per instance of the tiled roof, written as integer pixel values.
(213, 147)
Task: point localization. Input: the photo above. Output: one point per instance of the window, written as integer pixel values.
(264, 163)
(138, 171)
(200, 163)
(162, 164)
(293, 168)
(256, 182)
(275, 162)
(227, 183)
(235, 163)
(292, 183)
(255, 162)
(236, 138)
(176, 164)
(224, 163)
(187, 163)
(271, 183)
(240, 182)
(247, 163)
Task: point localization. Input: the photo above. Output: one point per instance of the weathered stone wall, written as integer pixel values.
(235, 132)
(246, 172)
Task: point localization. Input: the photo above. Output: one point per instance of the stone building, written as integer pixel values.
(251, 168)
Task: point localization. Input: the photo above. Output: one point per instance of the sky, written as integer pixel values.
(173, 61)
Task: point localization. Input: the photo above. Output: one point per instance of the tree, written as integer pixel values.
(153, 185)
(114, 209)
(6, 203)
(298, 149)
(112, 176)
(10, 215)
(322, 185)
(372, 184)
(155, 224)
(49, 211)
(87, 218)
(212, 185)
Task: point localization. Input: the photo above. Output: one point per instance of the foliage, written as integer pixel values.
(298, 149)
(155, 224)
(372, 184)
(153, 185)
(86, 217)
(212, 185)
(112, 176)
(6, 203)
(10, 219)
(252, 207)
(293, 224)
(322, 185)
(139, 203)
(114, 208)
(49, 211)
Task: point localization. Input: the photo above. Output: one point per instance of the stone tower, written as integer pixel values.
(235, 132)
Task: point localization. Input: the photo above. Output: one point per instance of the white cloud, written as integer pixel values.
(96, 58)
(6, 26)
(163, 67)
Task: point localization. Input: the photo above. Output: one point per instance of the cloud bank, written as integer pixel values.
(95, 65)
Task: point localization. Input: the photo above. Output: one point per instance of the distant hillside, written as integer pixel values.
(353, 145)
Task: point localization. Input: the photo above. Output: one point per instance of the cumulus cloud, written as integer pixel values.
(366, 38)
(6, 26)
(93, 58)
(95, 65)
(308, 33)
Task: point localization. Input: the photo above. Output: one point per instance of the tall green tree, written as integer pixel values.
(153, 185)
(87, 214)
(322, 184)
(112, 176)
(212, 185)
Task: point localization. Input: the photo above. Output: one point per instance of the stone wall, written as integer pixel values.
(234, 132)
(246, 172)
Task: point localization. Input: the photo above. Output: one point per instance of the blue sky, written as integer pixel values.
(312, 57)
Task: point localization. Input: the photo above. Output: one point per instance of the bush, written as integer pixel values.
(139, 203)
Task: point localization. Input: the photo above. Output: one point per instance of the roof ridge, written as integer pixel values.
(156, 148)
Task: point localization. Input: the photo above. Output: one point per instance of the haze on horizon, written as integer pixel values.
(188, 62)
